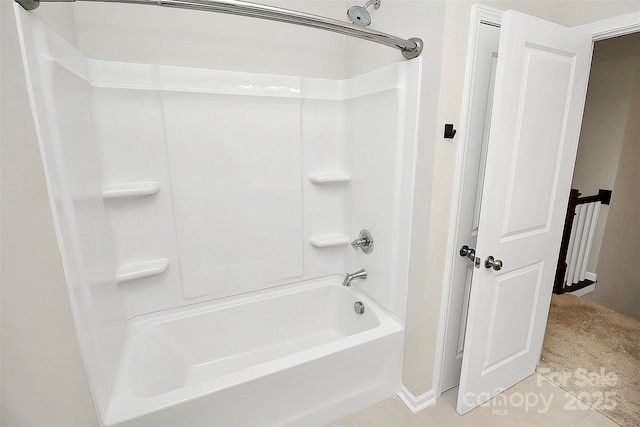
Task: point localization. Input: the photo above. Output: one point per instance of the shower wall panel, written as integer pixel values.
(130, 131)
(231, 155)
(235, 164)
(60, 96)
(327, 207)
(76, 159)
(384, 108)
(375, 177)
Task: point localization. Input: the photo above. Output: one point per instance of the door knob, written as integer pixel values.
(468, 252)
(490, 262)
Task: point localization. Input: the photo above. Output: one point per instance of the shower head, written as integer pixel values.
(359, 15)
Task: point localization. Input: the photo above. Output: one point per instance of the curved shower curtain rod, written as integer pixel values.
(410, 48)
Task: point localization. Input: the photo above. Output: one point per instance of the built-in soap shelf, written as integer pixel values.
(329, 177)
(130, 190)
(138, 270)
(328, 240)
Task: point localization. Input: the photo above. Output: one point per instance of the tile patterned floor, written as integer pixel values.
(532, 402)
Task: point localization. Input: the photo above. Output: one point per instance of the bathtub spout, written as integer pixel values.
(361, 274)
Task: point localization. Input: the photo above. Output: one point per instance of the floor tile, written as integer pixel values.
(542, 396)
(532, 402)
(444, 411)
(597, 420)
(422, 419)
(391, 412)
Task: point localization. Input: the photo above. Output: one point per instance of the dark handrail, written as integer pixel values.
(604, 197)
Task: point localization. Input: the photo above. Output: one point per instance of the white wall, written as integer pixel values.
(157, 35)
(614, 66)
(584, 12)
(617, 286)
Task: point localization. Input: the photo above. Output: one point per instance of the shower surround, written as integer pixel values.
(204, 220)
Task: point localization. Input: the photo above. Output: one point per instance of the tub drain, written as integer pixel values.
(358, 307)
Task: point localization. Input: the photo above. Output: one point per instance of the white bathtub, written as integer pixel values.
(295, 355)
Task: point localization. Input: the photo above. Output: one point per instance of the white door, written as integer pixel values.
(469, 210)
(541, 83)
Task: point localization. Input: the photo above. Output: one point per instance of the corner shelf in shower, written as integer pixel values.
(130, 190)
(329, 177)
(138, 270)
(328, 240)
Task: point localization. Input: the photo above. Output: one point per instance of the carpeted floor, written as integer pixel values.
(594, 354)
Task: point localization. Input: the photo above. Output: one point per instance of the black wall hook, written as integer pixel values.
(449, 131)
(605, 196)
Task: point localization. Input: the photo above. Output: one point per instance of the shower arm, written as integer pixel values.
(410, 48)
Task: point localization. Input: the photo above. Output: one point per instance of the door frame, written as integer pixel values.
(480, 15)
(599, 30)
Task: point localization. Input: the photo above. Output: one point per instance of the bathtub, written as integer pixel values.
(299, 354)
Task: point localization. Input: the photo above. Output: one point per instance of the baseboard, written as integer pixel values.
(417, 404)
(584, 291)
(591, 276)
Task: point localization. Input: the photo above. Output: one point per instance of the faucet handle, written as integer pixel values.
(364, 242)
